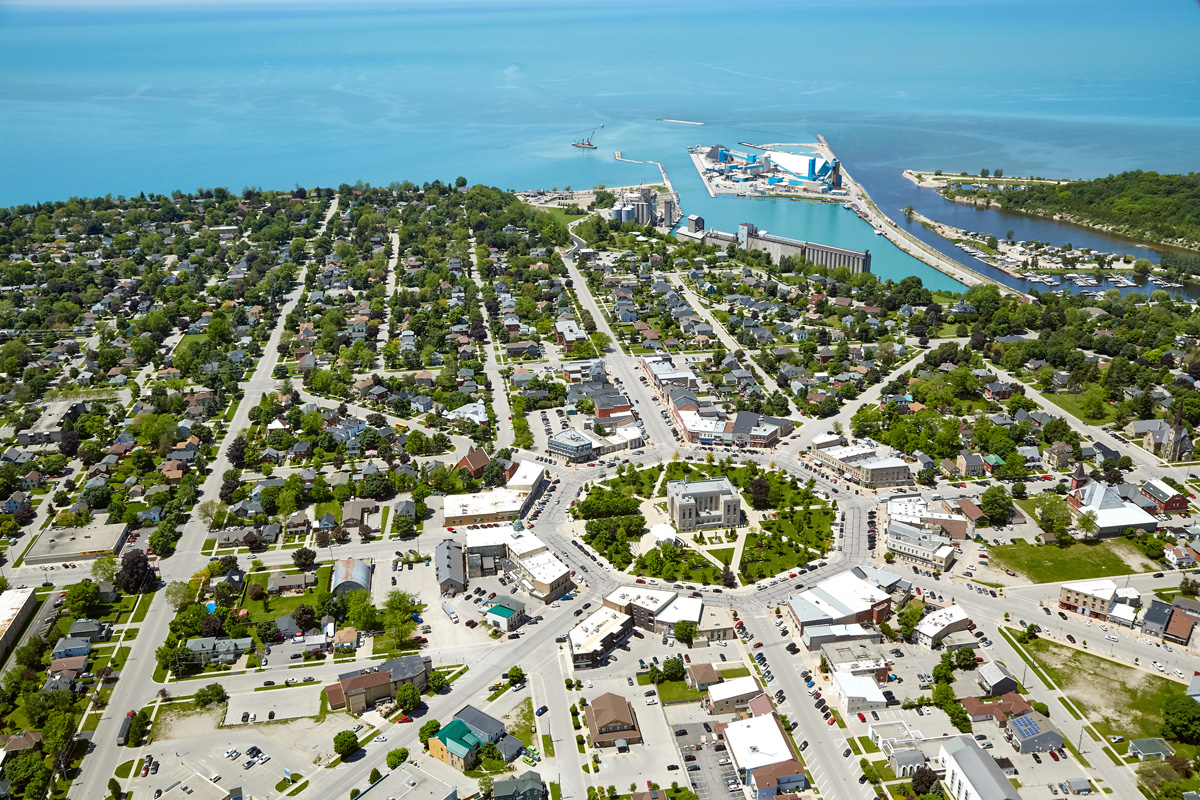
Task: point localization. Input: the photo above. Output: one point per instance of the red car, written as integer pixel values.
(423, 640)
(1054, 755)
(862, 717)
(687, 658)
(404, 718)
(832, 720)
(791, 574)
(640, 580)
(757, 645)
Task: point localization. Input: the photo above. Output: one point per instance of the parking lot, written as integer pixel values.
(700, 761)
(303, 700)
(180, 758)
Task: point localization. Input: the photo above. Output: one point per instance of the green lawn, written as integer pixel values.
(561, 215)
(641, 483)
(1073, 405)
(723, 554)
(735, 672)
(1050, 563)
(522, 726)
(189, 338)
(786, 543)
(331, 506)
(1119, 700)
(278, 606)
(670, 691)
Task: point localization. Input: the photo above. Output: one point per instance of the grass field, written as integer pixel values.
(670, 691)
(1048, 563)
(278, 606)
(641, 483)
(1119, 700)
(1073, 405)
(560, 214)
(522, 724)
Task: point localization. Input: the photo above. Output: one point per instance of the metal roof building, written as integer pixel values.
(350, 575)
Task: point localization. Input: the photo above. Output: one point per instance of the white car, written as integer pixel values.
(264, 758)
(1179, 673)
(588, 684)
(1112, 638)
(652, 702)
(381, 738)
(1158, 666)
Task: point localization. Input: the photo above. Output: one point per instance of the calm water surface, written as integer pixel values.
(158, 97)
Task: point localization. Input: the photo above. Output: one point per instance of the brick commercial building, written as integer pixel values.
(361, 689)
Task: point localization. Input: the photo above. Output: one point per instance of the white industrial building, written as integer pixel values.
(857, 693)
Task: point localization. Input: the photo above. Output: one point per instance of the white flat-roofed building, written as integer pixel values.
(528, 478)
(757, 742)
(495, 505)
(16, 605)
(643, 604)
(857, 693)
(732, 696)
(857, 659)
(86, 542)
(1089, 598)
(716, 624)
(926, 546)
(940, 624)
(662, 372)
(505, 542)
(596, 635)
(862, 465)
(838, 600)
(682, 609)
(699, 505)
(816, 636)
(830, 439)
(972, 774)
(544, 576)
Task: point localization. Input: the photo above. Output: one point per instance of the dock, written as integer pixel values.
(671, 191)
(678, 121)
(627, 160)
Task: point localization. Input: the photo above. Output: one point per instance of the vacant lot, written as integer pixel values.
(1119, 700)
(1048, 563)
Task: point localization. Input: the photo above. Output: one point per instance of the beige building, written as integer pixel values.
(732, 697)
(715, 625)
(862, 465)
(610, 721)
(700, 505)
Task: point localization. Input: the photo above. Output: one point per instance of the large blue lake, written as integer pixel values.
(155, 97)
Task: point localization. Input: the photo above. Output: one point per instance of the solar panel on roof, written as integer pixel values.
(1026, 727)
